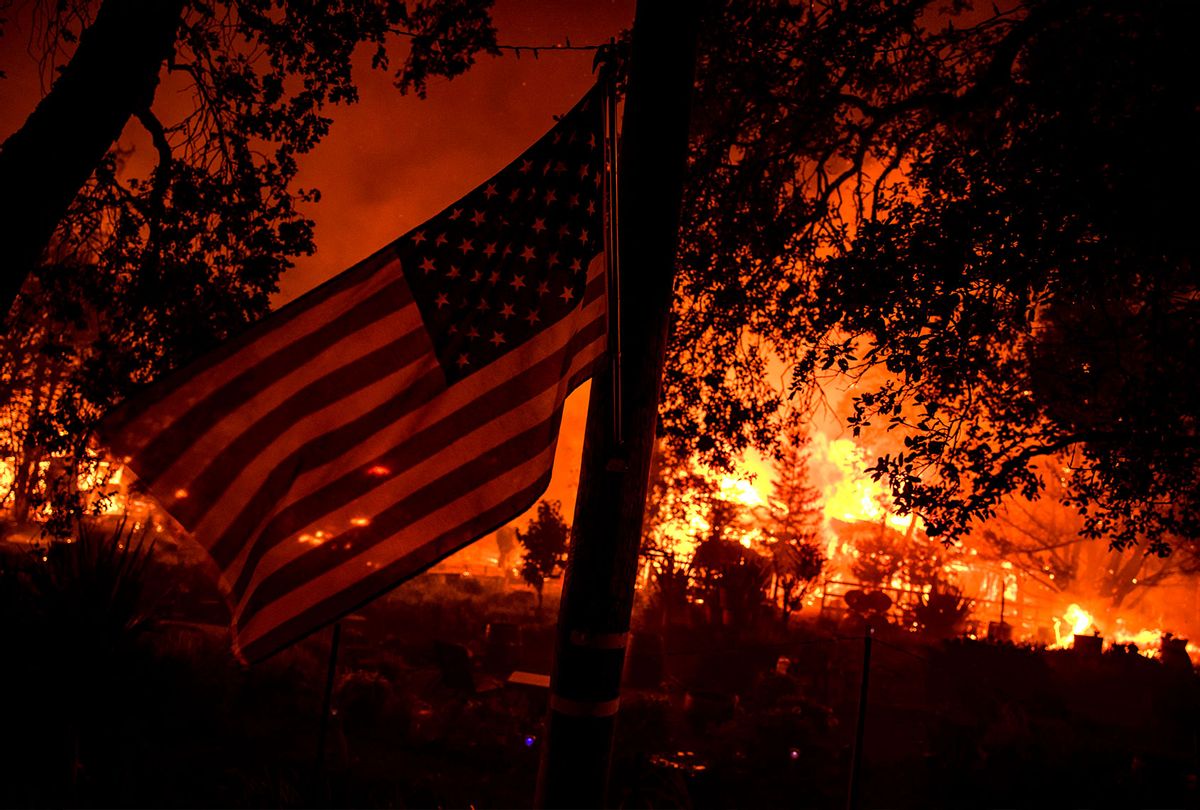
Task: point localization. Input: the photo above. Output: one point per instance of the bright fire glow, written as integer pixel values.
(101, 477)
(1075, 621)
(1079, 619)
(7, 478)
(739, 490)
(688, 529)
(1147, 641)
(851, 494)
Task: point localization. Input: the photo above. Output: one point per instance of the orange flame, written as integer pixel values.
(1075, 621)
(851, 494)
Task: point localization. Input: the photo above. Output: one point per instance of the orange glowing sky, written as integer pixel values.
(392, 161)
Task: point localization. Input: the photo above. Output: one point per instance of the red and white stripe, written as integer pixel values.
(322, 458)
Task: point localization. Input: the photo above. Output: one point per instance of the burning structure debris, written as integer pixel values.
(1043, 588)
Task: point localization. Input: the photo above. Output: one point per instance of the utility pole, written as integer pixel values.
(594, 616)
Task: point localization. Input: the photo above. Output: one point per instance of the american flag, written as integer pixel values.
(396, 413)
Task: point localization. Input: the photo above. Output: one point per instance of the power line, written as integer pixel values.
(535, 49)
(517, 49)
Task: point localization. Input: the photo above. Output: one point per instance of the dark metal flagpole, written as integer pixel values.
(612, 219)
(327, 702)
(854, 792)
(597, 600)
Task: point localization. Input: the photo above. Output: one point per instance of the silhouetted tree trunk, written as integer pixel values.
(112, 76)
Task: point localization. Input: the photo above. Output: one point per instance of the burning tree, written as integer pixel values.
(794, 522)
(677, 495)
(700, 538)
(31, 389)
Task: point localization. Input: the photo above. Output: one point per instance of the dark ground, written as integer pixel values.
(711, 717)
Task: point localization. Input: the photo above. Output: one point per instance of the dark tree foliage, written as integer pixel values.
(779, 137)
(882, 552)
(112, 74)
(959, 209)
(146, 271)
(796, 565)
(957, 201)
(1038, 288)
(940, 613)
(731, 578)
(545, 544)
(261, 72)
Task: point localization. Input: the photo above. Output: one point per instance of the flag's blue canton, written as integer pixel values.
(511, 257)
